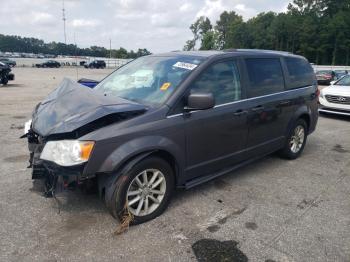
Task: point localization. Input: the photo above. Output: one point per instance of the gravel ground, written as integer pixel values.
(271, 210)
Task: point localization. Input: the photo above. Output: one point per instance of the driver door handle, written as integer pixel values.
(285, 103)
(240, 112)
(258, 108)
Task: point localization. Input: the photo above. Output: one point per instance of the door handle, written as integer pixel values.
(258, 108)
(240, 112)
(285, 103)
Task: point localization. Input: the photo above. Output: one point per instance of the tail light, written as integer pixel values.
(317, 94)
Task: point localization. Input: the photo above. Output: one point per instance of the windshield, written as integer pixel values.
(149, 80)
(345, 81)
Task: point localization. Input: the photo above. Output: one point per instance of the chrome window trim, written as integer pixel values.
(246, 99)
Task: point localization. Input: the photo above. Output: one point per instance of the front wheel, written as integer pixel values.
(142, 193)
(296, 140)
(4, 80)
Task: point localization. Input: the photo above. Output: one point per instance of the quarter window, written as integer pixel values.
(265, 75)
(222, 80)
(300, 72)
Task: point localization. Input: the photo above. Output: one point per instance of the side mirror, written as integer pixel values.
(332, 82)
(200, 101)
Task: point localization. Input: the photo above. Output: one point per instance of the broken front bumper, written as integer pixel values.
(55, 176)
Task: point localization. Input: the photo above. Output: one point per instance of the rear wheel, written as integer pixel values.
(143, 193)
(296, 140)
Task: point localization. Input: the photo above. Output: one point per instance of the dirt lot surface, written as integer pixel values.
(271, 210)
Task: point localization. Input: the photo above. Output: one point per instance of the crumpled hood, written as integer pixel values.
(71, 106)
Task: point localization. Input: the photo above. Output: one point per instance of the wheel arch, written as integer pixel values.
(125, 156)
(302, 113)
(132, 160)
(105, 180)
(306, 118)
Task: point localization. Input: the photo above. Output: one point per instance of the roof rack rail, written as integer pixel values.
(230, 50)
(264, 50)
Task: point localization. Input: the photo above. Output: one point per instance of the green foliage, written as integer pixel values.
(316, 29)
(226, 28)
(36, 46)
(201, 28)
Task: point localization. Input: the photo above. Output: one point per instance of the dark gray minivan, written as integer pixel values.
(169, 121)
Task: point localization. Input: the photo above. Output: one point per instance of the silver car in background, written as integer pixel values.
(335, 99)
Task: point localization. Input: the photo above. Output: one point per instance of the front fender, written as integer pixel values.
(138, 146)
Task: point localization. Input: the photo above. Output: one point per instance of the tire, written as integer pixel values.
(119, 204)
(4, 81)
(295, 141)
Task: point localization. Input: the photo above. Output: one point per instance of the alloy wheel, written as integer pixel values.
(297, 139)
(146, 192)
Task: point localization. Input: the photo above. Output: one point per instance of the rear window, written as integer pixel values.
(300, 73)
(265, 75)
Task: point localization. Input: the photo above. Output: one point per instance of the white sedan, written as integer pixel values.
(335, 98)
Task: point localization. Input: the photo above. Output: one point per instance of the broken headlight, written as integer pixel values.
(67, 152)
(27, 126)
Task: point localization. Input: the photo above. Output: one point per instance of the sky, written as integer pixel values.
(158, 25)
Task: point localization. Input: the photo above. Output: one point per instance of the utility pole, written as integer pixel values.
(110, 48)
(64, 22)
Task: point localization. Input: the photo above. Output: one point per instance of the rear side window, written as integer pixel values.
(265, 75)
(300, 73)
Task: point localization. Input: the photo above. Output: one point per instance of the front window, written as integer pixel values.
(345, 81)
(149, 80)
(222, 80)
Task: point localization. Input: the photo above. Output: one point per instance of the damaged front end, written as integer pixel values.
(57, 156)
(56, 177)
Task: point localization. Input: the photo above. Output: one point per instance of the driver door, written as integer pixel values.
(215, 138)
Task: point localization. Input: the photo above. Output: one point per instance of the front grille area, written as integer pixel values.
(345, 100)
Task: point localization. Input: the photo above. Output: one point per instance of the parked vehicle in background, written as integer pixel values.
(335, 99)
(8, 62)
(341, 73)
(96, 64)
(172, 120)
(5, 74)
(49, 63)
(325, 77)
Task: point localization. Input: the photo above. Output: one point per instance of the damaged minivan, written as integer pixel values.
(171, 121)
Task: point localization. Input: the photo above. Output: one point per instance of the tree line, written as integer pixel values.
(316, 29)
(19, 44)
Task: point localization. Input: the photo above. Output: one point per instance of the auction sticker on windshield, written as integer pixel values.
(165, 86)
(184, 65)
